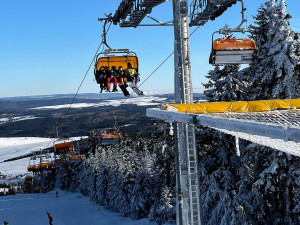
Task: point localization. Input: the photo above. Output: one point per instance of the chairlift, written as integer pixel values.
(114, 58)
(75, 158)
(33, 166)
(59, 162)
(63, 147)
(45, 162)
(232, 50)
(110, 138)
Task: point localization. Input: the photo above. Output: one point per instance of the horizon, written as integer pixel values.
(46, 47)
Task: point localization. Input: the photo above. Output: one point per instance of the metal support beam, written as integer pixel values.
(188, 195)
(204, 10)
(131, 13)
(282, 137)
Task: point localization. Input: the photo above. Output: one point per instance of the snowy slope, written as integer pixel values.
(67, 209)
(139, 101)
(18, 146)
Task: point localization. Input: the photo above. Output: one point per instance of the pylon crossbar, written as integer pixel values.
(205, 10)
(131, 13)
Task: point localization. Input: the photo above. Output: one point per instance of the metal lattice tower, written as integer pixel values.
(205, 10)
(187, 162)
(131, 13)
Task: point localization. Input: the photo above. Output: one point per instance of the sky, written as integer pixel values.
(46, 47)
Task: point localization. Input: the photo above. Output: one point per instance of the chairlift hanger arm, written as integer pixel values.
(106, 20)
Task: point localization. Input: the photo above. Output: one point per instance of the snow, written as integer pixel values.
(140, 101)
(3, 120)
(13, 169)
(68, 209)
(17, 118)
(18, 146)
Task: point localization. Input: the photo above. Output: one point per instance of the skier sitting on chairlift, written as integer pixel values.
(111, 77)
(100, 77)
(131, 74)
(122, 76)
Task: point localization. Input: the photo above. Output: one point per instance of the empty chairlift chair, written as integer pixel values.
(110, 138)
(63, 148)
(59, 162)
(74, 158)
(232, 51)
(33, 166)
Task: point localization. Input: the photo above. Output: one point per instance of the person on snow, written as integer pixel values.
(111, 77)
(50, 218)
(5, 223)
(131, 74)
(56, 194)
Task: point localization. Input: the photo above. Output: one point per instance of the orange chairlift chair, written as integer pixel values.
(113, 58)
(46, 162)
(74, 158)
(63, 147)
(110, 138)
(232, 50)
(33, 166)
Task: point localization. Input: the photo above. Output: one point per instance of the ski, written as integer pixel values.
(136, 89)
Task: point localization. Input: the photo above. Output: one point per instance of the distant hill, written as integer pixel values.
(22, 116)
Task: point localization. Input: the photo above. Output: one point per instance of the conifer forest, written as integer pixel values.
(256, 187)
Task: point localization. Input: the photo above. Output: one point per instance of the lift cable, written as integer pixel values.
(163, 62)
(88, 69)
(83, 79)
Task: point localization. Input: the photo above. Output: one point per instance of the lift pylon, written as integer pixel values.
(188, 201)
(130, 13)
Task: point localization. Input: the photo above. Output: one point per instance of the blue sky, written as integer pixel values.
(47, 46)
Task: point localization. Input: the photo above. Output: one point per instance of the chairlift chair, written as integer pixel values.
(232, 51)
(63, 147)
(114, 58)
(33, 166)
(59, 161)
(45, 162)
(110, 138)
(75, 158)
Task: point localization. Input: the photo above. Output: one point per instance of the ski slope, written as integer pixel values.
(18, 146)
(68, 209)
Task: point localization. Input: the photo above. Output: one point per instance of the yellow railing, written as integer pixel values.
(243, 106)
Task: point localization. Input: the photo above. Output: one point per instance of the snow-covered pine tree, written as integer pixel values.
(163, 210)
(218, 168)
(226, 84)
(141, 199)
(273, 69)
(102, 179)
